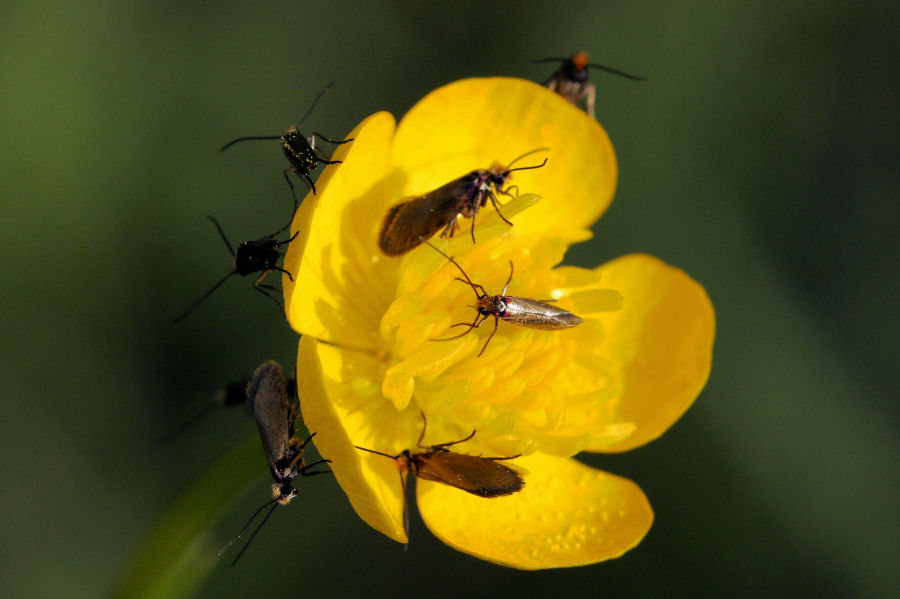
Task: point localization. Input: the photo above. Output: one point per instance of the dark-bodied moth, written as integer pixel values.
(522, 311)
(260, 255)
(413, 220)
(478, 475)
(571, 79)
(300, 151)
(276, 413)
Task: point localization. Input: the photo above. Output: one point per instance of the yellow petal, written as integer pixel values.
(472, 123)
(371, 482)
(340, 285)
(662, 342)
(568, 514)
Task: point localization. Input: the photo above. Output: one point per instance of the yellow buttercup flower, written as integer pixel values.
(368, 364)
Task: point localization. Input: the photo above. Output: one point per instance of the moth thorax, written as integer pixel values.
(288, 467)
(295, 146)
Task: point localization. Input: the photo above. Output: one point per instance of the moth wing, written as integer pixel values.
(408, 222)
(485, 477)
(538, 315)
(270, 406)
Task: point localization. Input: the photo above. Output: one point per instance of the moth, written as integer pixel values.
(276, 415)
(300, 151)
(416, 219)
(251, 257)
(571, 79)
(482, 476)
(522, 311)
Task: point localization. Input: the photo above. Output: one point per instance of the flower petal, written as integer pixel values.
(568, 514)
(372, 485)
(470, 124)
(339, 285)
(662, 342)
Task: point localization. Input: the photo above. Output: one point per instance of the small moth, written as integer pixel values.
(571, 79)
(478, 475)
(276, 415)
(517, 310)
(408, 223)
(300, 151)
(251, 257)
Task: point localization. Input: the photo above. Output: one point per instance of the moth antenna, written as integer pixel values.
(255, 532)
(528, 153)
(509, 280)
(616, 72)
(450, 258)
(525, 168)
(221, 234)
(244, 528)
(253, 137)
(185, 425)
(203, 297)
(316, 101)
(549, 60)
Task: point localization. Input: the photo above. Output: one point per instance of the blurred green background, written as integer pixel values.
(760, 157)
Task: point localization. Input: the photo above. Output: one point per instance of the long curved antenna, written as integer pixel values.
(203, 297)
(455, 263)
(316, 101)
(234, 141)
(255, 532)
(509, 280)
(528, 153)
(244, 528)
(185, 425)
(527, 168)
(615, 71)
(595, 65)
(222, 234)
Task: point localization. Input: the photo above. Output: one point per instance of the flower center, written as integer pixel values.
(530, 390)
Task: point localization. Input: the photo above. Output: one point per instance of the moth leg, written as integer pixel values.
(475, 287)
(309, 182)
(451, 227)
(473, 325)
(507, 193)
(449, 443)
(496, 205)
(257, 284)
(287, 178)
(304, 469)
(491, 336)
(590, 94)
